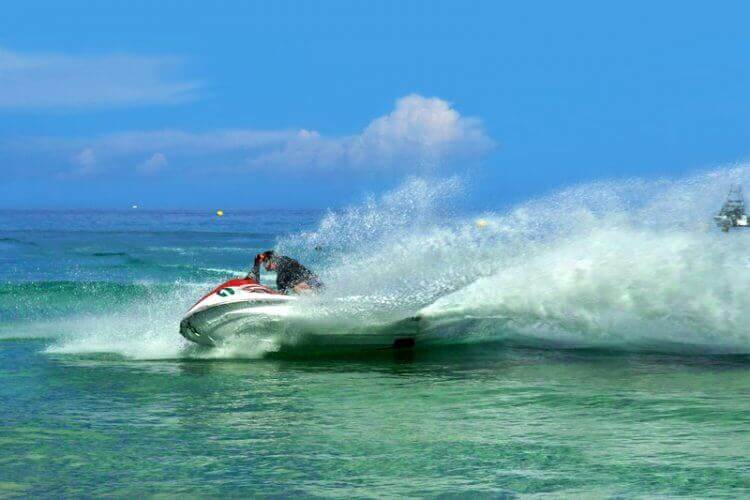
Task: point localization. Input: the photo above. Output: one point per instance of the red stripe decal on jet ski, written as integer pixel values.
(246, 283)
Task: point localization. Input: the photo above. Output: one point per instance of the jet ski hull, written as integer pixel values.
(213, 325)
(242, 308)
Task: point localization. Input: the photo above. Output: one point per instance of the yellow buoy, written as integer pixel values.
(219, 213)
(480, 223)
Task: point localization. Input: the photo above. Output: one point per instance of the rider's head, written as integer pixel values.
(268, 259)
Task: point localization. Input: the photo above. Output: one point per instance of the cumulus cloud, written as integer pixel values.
(64, 81)
(419, 131)
(153, 165)
(421, 126)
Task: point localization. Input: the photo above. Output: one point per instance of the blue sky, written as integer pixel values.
(310, 104)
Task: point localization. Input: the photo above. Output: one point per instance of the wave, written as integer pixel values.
(111, 254)
(16, 241)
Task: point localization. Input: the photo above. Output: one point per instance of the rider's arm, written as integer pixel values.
(255, 272)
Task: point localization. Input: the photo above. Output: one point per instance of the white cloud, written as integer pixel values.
(64, 81)
(419, 125)
(189, 142)
(85, 162)
(153, 165)
(419, 132)
(419, 129)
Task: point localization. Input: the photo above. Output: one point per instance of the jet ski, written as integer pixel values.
(243, 307)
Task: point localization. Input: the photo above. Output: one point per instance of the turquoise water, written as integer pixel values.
(486, 420)
(592, 361)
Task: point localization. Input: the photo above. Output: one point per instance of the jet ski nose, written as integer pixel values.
(188, 331)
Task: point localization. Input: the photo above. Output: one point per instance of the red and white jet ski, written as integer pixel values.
(231, 308)
(243, 307)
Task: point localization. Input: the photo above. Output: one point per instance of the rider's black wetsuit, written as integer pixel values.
(290, 273)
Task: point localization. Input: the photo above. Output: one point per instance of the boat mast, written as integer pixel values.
(732, 213)
(734, 207)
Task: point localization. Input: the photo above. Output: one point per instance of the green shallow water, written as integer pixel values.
(481, 420)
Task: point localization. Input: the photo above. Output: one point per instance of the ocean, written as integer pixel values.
(593, 342)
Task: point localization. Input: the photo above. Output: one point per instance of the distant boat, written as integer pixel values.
(732, 213)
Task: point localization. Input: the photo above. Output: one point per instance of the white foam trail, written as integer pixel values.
(614, 288)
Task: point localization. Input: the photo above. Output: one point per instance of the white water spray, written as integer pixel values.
(624, 265)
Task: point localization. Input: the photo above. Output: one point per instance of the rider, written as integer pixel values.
(291, 276)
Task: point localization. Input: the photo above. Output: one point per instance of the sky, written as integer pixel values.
(179, 104)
